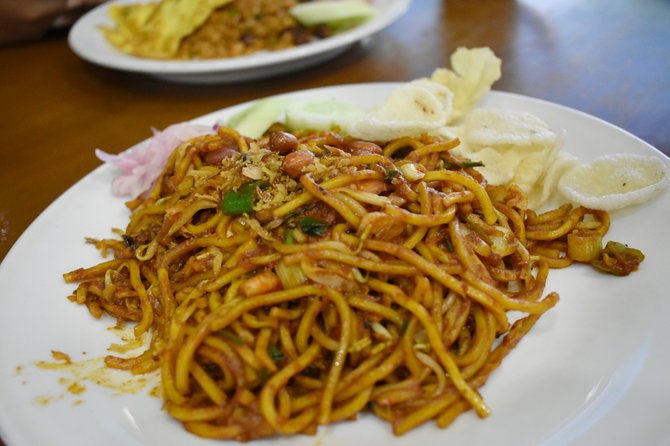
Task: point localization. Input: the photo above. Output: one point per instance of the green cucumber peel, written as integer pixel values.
(338, 14)
(256, 119)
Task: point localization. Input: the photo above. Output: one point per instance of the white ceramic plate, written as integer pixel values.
(88, 42)
(592, 372)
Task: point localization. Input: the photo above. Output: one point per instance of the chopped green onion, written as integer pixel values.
(299, 210)
(240, 201)
(390, 174)
(288, 236)
(312, 226)
(128, 240)
(263, 374)
(447, 165)
(276, 354)
(472, 164)
(403, 327)
(230, 336)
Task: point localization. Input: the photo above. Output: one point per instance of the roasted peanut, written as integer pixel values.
(294, 162)
(283, 142)
(216, 156)
(364, 148)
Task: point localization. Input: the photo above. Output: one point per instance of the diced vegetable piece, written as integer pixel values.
(359, 276)
(410, 172)
(584, 246)
(290, 276)
(618, 259)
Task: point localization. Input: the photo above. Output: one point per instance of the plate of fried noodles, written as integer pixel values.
(312, 289)
(241, 40)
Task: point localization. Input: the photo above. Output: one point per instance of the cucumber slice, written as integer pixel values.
(255, 120)
(332, 12)
(321, 114)
(306, 114)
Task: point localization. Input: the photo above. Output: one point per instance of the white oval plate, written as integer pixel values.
(89, 43)
(593, 371)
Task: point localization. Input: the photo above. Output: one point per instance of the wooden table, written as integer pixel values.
(609, 58)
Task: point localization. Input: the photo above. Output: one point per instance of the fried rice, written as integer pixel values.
(243, 27)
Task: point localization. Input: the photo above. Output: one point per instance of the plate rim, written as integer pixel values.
(7, 433)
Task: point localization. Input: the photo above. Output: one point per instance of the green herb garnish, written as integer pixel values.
(312, 226)
(240, 201)
(128, 240)
(275, 354)
(263, 374)
(299, 210)
(390, 174)
(403, 327)
(472, 164)
(230, 336)
(288, 236)
(463, 164)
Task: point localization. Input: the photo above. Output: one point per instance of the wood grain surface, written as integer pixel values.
(608, 58)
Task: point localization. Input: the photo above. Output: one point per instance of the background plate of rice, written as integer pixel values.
(89, 43)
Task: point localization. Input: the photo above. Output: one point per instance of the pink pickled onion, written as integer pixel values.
(142, 165)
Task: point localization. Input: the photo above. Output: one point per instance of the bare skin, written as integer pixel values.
(24, 20)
